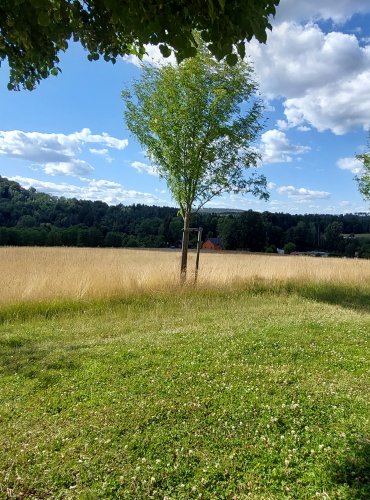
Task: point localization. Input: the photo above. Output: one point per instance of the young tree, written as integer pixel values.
(363, 179)
(198, 122)
(34, 32)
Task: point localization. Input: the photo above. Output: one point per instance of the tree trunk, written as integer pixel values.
(184, 248)
(199, 243)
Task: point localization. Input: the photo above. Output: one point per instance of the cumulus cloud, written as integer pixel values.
(276, 148)
(321, 77)
(104, 190)
(74, 167)
(144, 168)
(335, 10)
(302, 194)
(304, 57)
(351, 164)
(56, 153)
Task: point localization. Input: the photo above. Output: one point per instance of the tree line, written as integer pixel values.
(28, 217)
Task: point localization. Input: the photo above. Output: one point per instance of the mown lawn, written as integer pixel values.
(249, 394)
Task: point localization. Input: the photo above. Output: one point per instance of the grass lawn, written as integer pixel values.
(243, 394)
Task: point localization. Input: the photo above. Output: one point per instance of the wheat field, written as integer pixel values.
(39, 274)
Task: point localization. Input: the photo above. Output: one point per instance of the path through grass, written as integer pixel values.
(250, 394)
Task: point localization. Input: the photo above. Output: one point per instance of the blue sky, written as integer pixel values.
(68, 137)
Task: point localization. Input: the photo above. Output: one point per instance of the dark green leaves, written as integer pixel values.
(165, 50)
(33, 32)
(93, 57)
(231, 59)
(241, 49)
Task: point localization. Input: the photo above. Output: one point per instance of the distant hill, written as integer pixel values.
(221, 211)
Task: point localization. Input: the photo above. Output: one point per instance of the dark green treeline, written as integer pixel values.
(28, 217)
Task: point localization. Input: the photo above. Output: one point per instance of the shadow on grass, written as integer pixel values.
(26, 358)
(355, 471)
(348, 297)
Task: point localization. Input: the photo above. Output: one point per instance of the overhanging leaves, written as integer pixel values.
(33, 32)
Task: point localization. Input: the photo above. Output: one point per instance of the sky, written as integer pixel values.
(68, 136)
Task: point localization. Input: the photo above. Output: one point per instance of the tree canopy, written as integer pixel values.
(198, 122)
(34, 32)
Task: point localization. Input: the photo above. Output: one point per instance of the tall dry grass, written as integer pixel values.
(33, 274)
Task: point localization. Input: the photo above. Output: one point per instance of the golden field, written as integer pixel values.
(38, 274)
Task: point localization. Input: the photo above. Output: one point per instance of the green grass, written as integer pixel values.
(249, 394)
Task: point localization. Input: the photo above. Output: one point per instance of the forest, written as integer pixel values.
(31, 218)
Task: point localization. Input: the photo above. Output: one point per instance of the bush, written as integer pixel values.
(289, 248)
(271, 249)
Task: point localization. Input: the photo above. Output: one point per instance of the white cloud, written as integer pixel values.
(351, 164)
(153, 56)
(344, 204)
(102, 183)
(276, 148)
(75, 168)
(282, 124)
(144, 168)
(94, 151)
(339, 109)
(314, 10)
(102, 152)
(322, 78)
(104, 190)
(302, 194)
(56, 153)
(111, 142)
(304, 57)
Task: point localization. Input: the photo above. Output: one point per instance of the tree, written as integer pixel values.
(227, 228)
(252, 231)
(363, 179)
(289, 248)
(198, 121)
(34, 32)
(333, 235)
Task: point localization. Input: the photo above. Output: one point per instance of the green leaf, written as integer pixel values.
(165, 50)
(232, 59)
(43, 18)
(34, 31)
(211, 10)
(241, 49)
